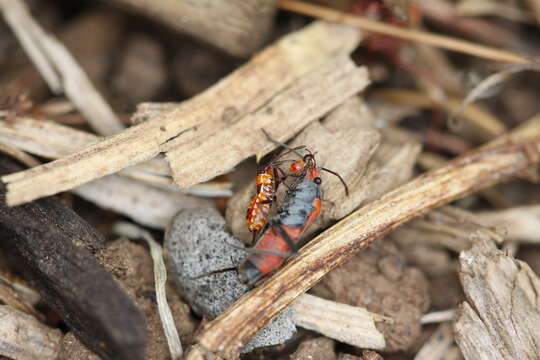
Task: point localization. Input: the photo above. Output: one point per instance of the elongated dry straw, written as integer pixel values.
(427, 38)
(160, 279)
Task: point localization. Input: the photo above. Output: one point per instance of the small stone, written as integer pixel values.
(371, 355)
(321, 348)
(197, 243)
(392, 267)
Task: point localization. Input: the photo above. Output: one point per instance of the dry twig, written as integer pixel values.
(486, 166)
(51, 140)
(160, 280)
(59, 68)
(403, 33)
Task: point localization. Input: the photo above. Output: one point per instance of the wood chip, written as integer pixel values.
(286, 114)
(501, 318)
(438, 343)
(246, 90)
(22, 337)
(349, 324)
(144, 204)
(519, 223)
(236, 26)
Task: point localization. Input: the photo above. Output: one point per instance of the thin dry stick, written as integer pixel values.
(160, 280)
(444, 42)
(59, 68)
(475, 170)
(488, 125)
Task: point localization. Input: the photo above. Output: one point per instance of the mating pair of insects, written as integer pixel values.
(276, 238)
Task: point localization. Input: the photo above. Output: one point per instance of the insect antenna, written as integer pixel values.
(340, 179)
(285, 146)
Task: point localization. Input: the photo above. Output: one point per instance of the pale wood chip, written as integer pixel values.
(349, 324)
(501, 318)
(22, 337)
(438, 343)
(285, 114)
(145, 204)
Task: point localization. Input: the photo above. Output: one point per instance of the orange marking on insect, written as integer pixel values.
(297, 166)
(259, 206)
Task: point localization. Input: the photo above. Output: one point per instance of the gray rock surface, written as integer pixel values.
(197, 243)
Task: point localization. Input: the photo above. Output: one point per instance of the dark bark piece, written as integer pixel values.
(55, 245)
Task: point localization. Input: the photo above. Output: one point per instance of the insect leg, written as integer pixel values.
(208, 273)
(286, 237)
(261, 251)
(279, 143)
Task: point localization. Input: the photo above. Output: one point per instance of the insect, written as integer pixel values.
(281, 236)
(267, 183)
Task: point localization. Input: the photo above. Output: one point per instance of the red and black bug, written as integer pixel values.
(280, 235)
(267, 181)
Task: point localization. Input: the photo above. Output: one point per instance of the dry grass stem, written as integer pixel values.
(145, 204)
(21, 156)
(59, 68)
(450, 227)
(349, 324)
(403, 33)
(52, 140)
(486, 125)
(468, 173)
(160, 280)
(238, 95)
(521, 224)
(484, 88)
(438, 316)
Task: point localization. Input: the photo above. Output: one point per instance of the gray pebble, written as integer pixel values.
(196, 243)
